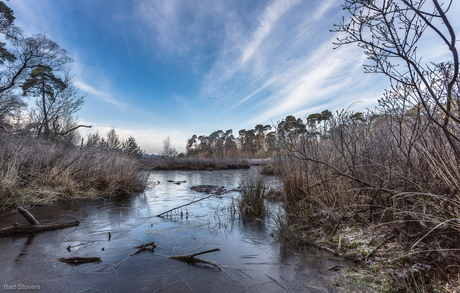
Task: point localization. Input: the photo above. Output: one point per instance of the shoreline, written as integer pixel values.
(199, 164)
(380, 250)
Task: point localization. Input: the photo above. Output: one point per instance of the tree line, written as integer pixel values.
(261, 142)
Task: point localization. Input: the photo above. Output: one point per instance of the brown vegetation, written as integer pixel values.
(39, 160)
(394, 181)
(270, 169)
(383, 187)
(34, 171)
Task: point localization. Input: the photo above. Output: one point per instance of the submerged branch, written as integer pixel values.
(144, 247)
(159, 215)
(191, 259)
(79, 260)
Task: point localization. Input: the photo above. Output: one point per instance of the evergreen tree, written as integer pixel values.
(131, 148)
(44, 85)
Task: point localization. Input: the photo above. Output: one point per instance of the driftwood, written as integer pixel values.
(35, 226)
(27, 229)
(191, 259)
(28, 216)
(144, 247)
(159, 215)
(79, 260)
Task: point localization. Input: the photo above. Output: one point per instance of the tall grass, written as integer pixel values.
(35, 171)
(252, 201)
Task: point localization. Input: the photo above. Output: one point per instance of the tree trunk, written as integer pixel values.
(46, 132)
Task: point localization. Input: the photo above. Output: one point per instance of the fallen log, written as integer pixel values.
(28, 216)
(159, 215)
(79, 260)
(28, 229)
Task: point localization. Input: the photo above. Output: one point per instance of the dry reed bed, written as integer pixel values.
(36, 172)
(392, 182)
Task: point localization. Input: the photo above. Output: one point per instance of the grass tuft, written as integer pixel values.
(252, 200)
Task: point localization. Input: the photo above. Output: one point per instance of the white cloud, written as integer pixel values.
(91, 90)
(178, 27)
(277, 67)
(101, 94)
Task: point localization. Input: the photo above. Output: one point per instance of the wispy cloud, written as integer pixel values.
(101, 94)
(268, 20)
(240, 62)
(180, 27)
(284, 64)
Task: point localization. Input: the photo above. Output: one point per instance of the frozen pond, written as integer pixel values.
(250, 258)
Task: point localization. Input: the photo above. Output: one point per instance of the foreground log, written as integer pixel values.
(80, 260)
(28, 216)
(191, 259)
(28, 229)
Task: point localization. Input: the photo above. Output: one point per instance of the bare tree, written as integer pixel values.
(389, 32)
(10, 105)
(168, 150)
(30, 52)
(56, 101)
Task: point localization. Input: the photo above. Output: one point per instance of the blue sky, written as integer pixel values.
(159, 68)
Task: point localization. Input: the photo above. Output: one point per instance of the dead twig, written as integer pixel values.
(275, 281)
(335, 268)
(4, 128)
(388, 238)
(144, 247)
(159, 215)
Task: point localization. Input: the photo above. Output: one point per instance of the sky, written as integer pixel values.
(159, 68)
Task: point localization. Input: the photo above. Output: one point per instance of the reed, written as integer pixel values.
(252, 200)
